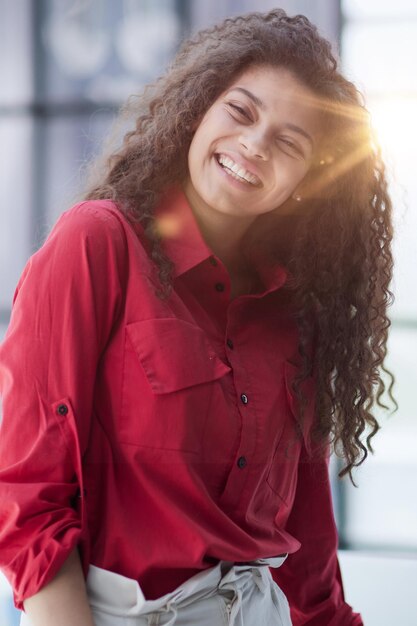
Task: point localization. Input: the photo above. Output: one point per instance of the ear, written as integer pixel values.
(300, 193)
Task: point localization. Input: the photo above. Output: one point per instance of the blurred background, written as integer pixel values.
(66, 66)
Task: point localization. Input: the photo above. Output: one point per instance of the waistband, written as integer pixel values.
(118, 595)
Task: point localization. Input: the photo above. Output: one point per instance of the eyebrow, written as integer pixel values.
(252, 97)
(261, 105)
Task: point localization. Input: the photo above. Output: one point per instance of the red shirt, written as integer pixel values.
(157, 434)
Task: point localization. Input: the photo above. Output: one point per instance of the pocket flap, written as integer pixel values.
(174, 354)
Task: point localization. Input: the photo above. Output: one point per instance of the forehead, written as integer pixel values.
(278, 81)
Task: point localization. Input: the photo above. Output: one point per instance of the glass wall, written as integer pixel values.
(66, 66)
(379, 48)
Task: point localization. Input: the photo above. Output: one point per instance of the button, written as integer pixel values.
(230, 343)
(244, 398)
(219, 286)
(62, 409)
(242, 462)
(213, 261)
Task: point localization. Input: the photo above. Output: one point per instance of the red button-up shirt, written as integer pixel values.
(158, 435)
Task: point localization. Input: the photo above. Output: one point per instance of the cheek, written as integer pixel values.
(198, 150)
(289, 173)
(198, 165)
(286, 180)
(193, 160)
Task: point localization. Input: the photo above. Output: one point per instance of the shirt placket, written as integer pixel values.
(229, 317)
(242, 464)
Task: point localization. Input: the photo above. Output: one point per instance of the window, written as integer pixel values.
(379, 46)
(77, 63)
(65, 68)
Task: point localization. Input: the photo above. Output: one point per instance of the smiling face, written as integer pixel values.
(254, 145)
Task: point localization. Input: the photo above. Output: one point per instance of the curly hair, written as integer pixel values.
(339, 257)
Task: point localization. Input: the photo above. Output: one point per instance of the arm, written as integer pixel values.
(311, 577)
(64, 600)
(63, 313)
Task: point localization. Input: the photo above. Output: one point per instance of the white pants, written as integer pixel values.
(223, 595)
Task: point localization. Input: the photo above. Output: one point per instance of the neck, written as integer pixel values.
(223, 233)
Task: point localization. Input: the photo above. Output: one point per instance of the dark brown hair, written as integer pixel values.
(339, 258)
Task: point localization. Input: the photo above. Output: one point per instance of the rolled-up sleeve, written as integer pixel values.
(65, 304)
(311, 578)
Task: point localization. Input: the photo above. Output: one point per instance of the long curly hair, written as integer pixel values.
(339, 257)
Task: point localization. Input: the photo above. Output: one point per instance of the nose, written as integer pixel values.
(254, 143)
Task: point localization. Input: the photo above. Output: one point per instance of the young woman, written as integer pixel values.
(189, 343)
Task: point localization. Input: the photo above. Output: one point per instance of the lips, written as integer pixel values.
(237, 170)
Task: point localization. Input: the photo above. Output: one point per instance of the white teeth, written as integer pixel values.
(237, 169)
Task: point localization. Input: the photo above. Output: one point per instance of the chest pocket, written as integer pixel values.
(282, 477)
(169, 384)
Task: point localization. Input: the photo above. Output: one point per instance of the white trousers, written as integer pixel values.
(224, 595)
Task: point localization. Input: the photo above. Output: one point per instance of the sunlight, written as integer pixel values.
(393, 119)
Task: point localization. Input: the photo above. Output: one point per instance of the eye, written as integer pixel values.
(291, 147)
(240, 110)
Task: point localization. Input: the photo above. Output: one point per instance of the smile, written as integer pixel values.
(236, 171)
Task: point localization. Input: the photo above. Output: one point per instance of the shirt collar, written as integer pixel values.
(184, 244)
